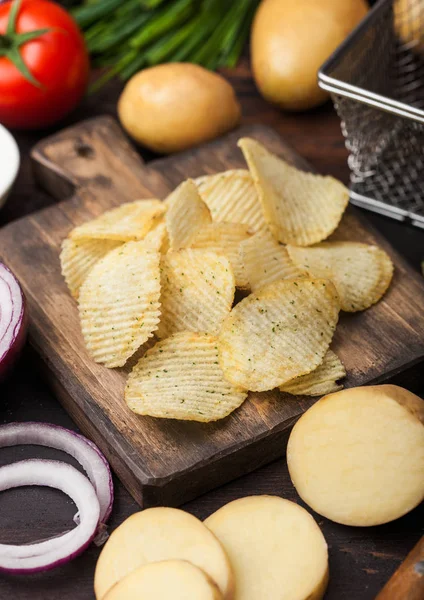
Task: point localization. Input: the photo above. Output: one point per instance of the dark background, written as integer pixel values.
(361, 559)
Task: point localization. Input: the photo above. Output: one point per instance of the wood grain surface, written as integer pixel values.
(408, 581)
(165, 461)
(361, 559)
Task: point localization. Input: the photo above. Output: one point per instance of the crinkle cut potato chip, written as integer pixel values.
(265, 261)
(361, 272)
(231, 197)
(180, 378)
(129, 222)
(323, 380)
(119, 303)
(79, 256)
(157, 238)
(197, 291)
(186, 215)
(226, 238)
(278, 333)
(300, 208)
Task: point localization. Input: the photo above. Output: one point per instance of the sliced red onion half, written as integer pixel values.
(83, 450)
(13, 321)
(61, 549)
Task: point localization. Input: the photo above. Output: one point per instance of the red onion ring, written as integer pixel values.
(58, 550)
(13, 319)
(77, 446)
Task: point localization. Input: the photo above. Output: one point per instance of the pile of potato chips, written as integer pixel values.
(168, 271)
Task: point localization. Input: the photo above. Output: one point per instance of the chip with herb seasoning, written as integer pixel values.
(300, 208)
(320, 381)
(186, 215)
(226, 239)
(265, 261)
(79, 256)
(197, 291)
(278, 333)
(129, 222)
(119, 303)
(361, 272)
(231, 197)
(180, 378)
(157, 238)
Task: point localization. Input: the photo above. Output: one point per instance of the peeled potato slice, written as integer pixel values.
(357, 456)
(119, 303)
(361, 272)
(276, 548)
(130, 221)
(180, 378)
(79, 256)
(231, 197)
(166, 580)
(265, 261)
(197, 291)
(278, 333)
(225, 238)
(186, 215)
(158, 534)
(300, 208)
(320, 381)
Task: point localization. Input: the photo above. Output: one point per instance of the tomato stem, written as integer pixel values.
(11, 41)
(5, 43)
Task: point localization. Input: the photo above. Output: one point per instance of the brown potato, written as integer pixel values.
(408, 19)
(175, 106)
(290, 41)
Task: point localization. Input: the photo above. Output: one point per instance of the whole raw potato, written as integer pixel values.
(408, 20)
(175, 106)
(291, 40)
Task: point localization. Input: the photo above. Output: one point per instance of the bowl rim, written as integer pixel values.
(8, 144)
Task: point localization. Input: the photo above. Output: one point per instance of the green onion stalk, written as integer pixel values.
(125, 36)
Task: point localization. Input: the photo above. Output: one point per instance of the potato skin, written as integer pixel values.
(175, 106)
(408, 24)
(291, 40)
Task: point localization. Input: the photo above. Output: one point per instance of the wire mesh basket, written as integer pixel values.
(376, 79)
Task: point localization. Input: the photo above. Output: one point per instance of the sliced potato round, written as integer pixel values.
(166, 580)
(186, 215)
(231, 197)
(357, 456)
(158, 534)
(276, 548)
(278, 333)
(361, 272)
(119, 303)
(79, 256)
(180, 378)
(225, 238)
(197, 291)
(320, 381)
(130, 221)
(300, 208)
(265, 261)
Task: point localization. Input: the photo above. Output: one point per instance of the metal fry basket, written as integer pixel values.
(376, 79)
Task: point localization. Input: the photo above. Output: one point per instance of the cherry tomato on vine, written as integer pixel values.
(44, 64)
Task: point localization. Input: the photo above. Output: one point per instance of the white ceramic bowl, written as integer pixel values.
(9, 163)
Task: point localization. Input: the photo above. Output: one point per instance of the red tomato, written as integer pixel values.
(58, 60)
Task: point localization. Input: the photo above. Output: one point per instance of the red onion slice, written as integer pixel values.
(61, 549)
(83, 450)
(13, 322)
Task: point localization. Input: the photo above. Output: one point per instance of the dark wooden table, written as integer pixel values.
(361, 559)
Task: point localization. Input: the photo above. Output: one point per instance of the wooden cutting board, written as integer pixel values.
(164, 461)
